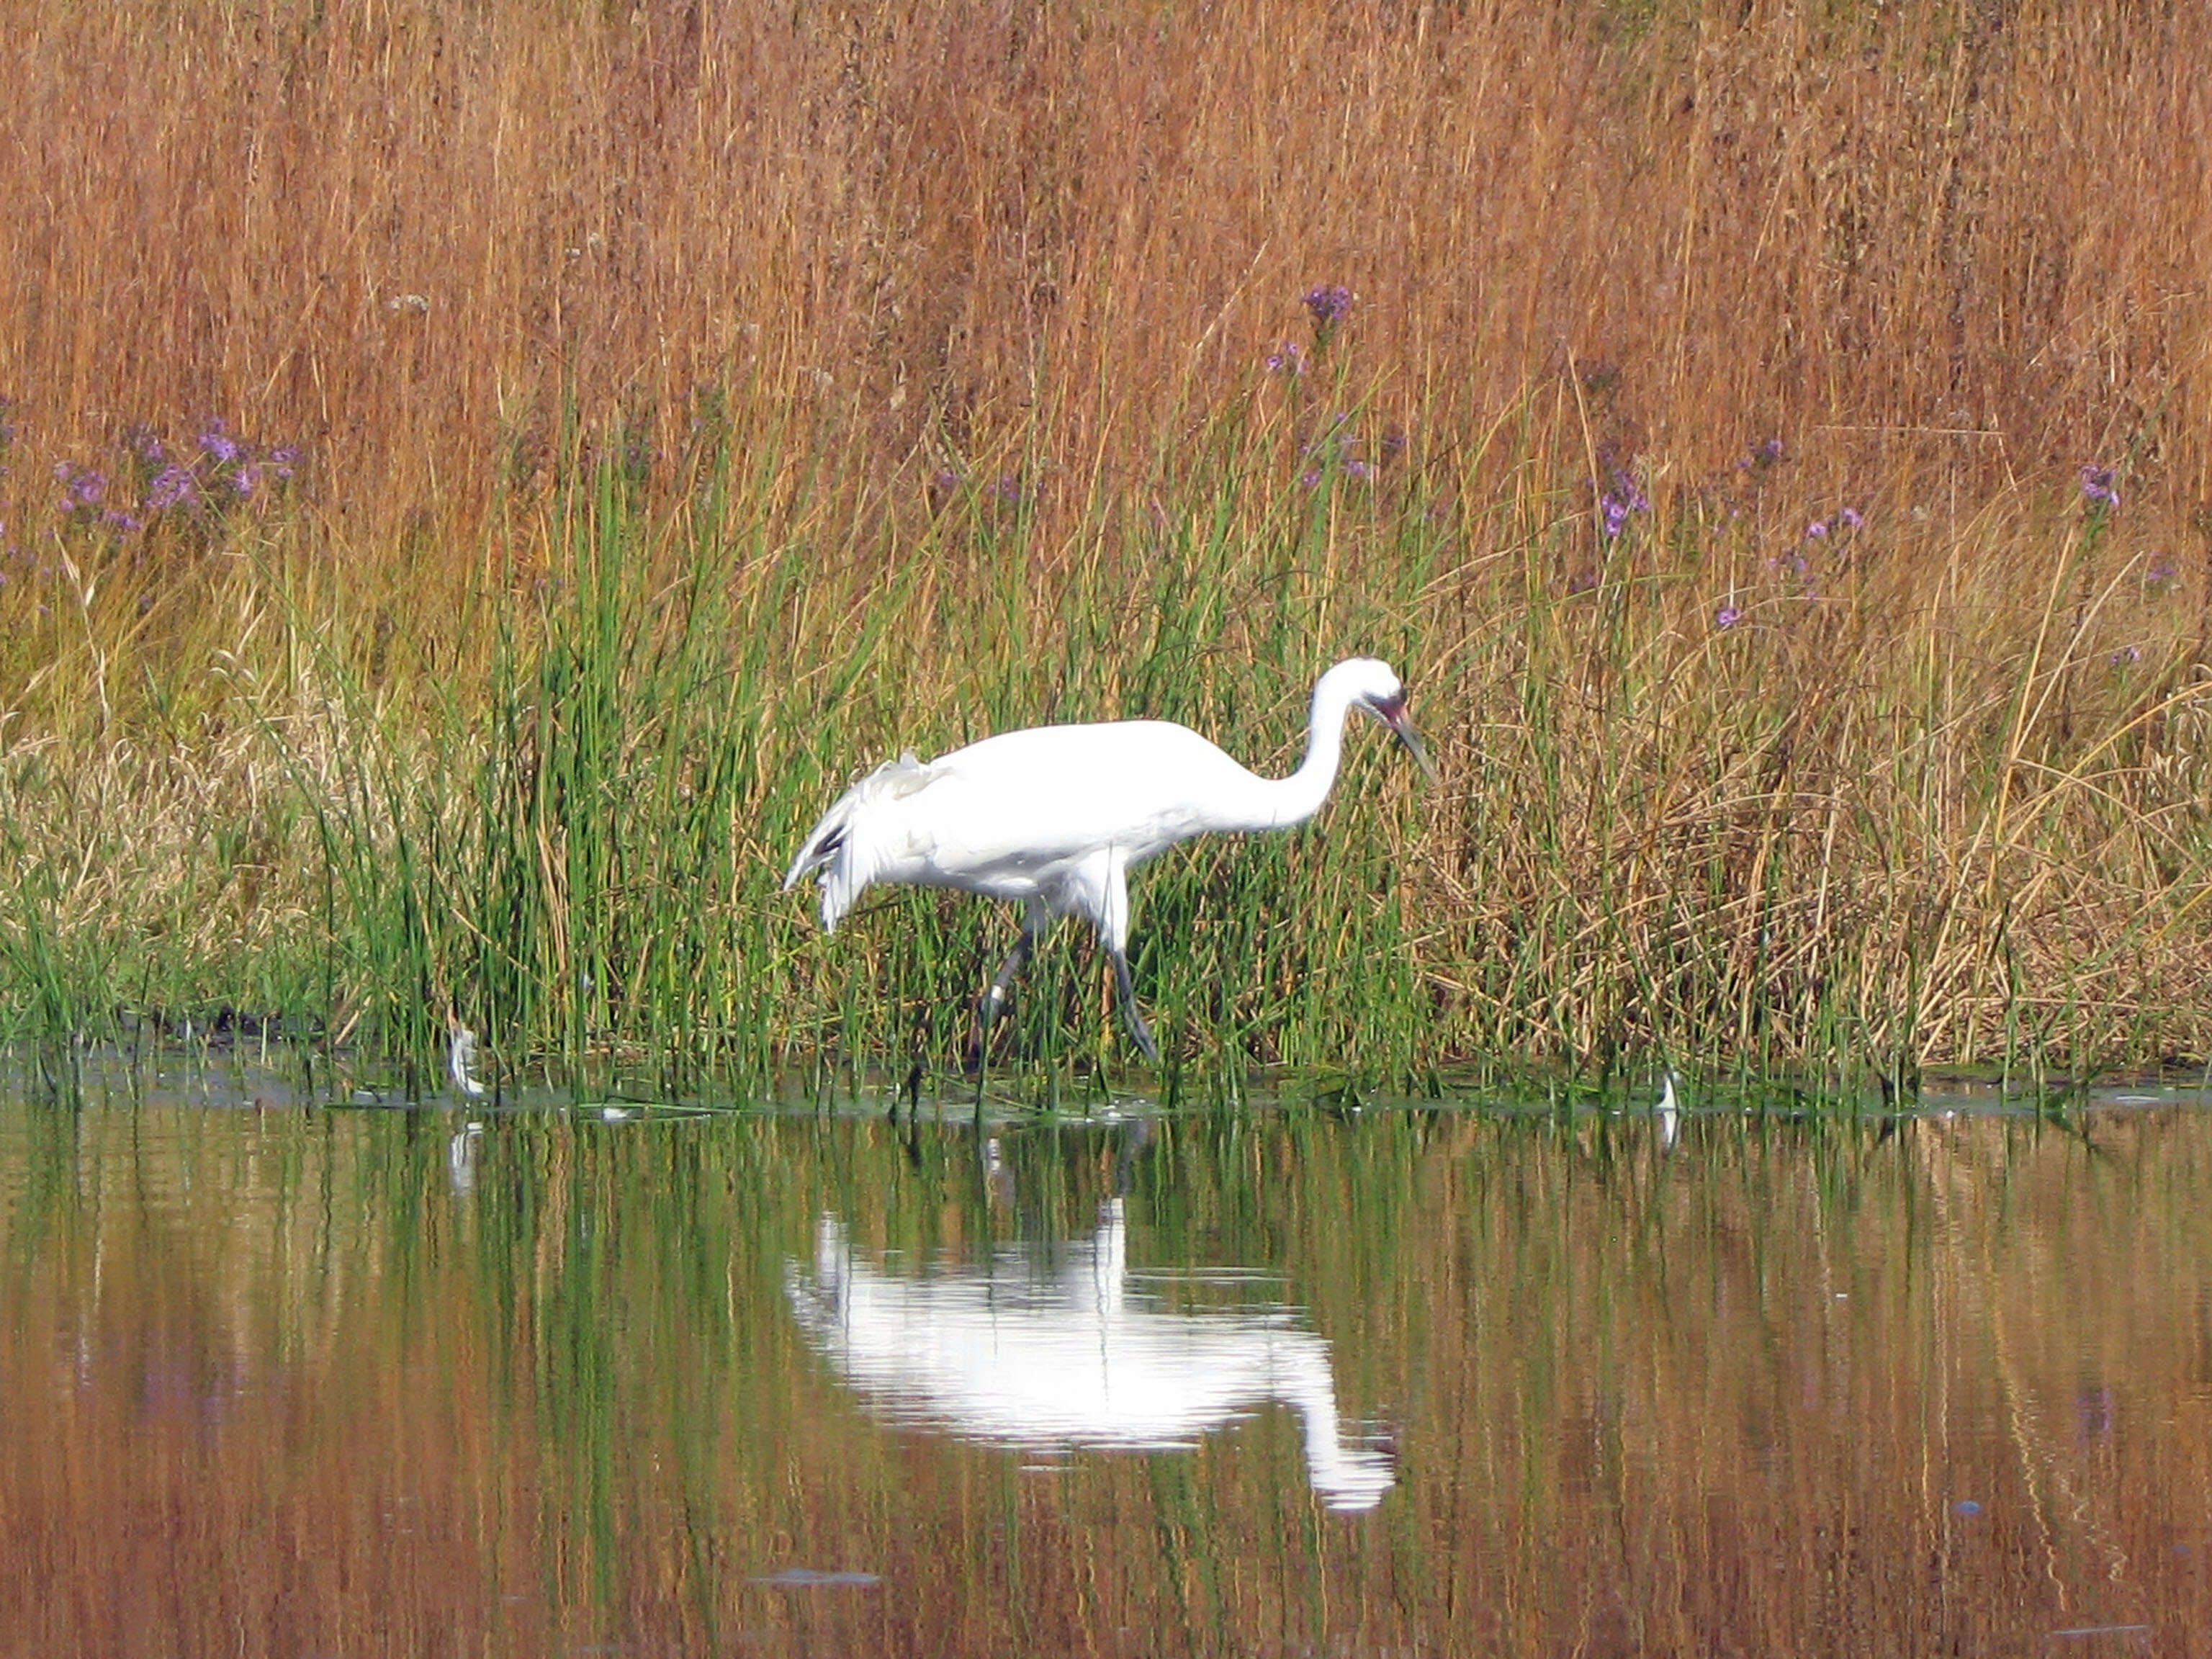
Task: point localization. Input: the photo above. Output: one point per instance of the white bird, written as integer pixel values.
(461, 1055)
(1056, 817)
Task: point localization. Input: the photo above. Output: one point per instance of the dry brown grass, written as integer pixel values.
(1942, 248)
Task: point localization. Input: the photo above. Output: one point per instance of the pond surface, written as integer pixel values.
(284, 1380)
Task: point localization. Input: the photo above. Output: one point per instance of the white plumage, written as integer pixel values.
(1056, 817)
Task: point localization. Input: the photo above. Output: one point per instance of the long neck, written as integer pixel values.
(1286, 801)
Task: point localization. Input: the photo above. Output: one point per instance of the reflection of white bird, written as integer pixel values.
(1001, 1353)
(1057, 816)
(461, 1156)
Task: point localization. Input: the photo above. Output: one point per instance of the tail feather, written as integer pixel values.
(848, 847)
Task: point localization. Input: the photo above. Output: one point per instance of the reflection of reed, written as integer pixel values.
(1792, 1387)
(1006, 1354)
(1989, 1293)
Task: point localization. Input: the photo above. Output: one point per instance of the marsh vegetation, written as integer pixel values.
(480, 480)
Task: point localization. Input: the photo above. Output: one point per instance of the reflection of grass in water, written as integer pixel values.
(1908, 824)
(1604, 1368)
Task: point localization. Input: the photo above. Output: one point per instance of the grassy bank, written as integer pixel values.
(1772, 453)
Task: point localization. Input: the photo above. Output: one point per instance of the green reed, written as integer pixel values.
(1850, 832)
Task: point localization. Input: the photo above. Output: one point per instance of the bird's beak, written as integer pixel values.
(1392, 712)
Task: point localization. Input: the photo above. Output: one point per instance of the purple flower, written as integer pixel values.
(1816, 529)
(1623, 499)
(79, 489)
(218, 442)
(1336, 448)
(244, 480)
(2097, 484)
(1727, 617)
(1329, 304)
(123, 524)
(283, 458)
(171, 486)
(2127, 653)
(1850, 517)
(1288, 358)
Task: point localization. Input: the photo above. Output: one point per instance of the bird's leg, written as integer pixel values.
(987, 1015)
(1130, 1012)
(993, 1001)
(1112, 917)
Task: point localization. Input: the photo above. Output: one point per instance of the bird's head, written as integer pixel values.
(1375, 687)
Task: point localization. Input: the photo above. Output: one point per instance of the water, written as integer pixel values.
(287, 1381)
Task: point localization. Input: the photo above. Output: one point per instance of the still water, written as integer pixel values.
(286, 1380)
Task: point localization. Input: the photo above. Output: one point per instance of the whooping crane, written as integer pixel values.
(1055, 817)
